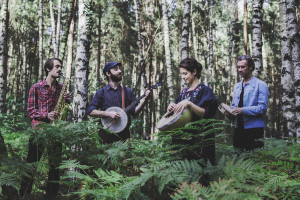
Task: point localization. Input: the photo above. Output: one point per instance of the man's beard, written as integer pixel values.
(116, 78)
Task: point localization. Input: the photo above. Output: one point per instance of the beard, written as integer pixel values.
(116, 78)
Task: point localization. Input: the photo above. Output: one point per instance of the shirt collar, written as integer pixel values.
(108, 87)
(44, 83)
(251, 82)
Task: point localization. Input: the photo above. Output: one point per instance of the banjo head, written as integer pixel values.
(115, 125)
(172, 121)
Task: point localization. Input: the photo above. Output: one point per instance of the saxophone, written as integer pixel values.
(62, 107)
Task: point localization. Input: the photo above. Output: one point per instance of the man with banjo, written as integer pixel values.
(113, 95)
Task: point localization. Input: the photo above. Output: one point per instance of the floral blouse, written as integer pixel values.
(203, 97)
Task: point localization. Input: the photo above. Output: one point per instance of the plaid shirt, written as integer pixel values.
(41, 101)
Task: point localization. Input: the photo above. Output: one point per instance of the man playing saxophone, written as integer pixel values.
(42, 100)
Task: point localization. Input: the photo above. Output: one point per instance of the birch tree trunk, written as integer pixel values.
(211, 45)
(71, 41)
(99, 45)
(53, 31)
(82, 63)
(231, 29)
(25, 78)
(257, 36)
(295, 53)
(245, 28)
(287, 82)
(236, 38)
(41, 28)
(57, 42)
(140, 44)
(184, 44)
(168, 53)
(3, 53)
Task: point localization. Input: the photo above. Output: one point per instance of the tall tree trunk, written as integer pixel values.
(195, 41)
(57, 42)
(99, 44)
(184, 44)
(3, 53)
(245, 28)
(257, 36)
(41, 28)
(140, 44)
(25, 78)
(287, 87)
(231, 30)
(82, 62)
(236, 38)
(53, 31)
(295, 53)
(211, 44)
(168, 52)
(71, 41)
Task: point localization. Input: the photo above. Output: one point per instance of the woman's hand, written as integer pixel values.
(171, 107)
(182, 105)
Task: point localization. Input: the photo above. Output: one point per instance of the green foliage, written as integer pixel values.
(143, 169)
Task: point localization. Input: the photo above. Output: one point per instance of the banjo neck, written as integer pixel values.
(138, 99)
(134, 103)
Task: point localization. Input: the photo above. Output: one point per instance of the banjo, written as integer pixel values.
(118, 125)
(172, 120)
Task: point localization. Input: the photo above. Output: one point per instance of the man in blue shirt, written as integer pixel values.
(111, 96)
(250, 104)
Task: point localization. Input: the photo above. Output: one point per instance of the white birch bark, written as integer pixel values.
(70, 42)
(295, 54)
(57, 42)
(41, 28)
(168, 52)
(184, 44)
(53, 28)
(3, 53)
(257, 36)
(82, 63)
(211, 45)
(287, 87)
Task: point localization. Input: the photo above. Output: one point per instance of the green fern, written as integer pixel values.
(10, 180)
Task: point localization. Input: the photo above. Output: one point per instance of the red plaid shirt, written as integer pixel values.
(41, 101)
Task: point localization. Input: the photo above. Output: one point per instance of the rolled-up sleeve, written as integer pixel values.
(95, 103)
(32, 106)
(262, 101)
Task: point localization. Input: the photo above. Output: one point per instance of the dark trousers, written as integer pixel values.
(34, 155)
(246, 139)
(108, 138)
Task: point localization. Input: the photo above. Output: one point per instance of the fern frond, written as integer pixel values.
(10, 180)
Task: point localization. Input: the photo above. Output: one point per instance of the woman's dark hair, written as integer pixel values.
(250, 62)
(191, 64)
(49, 64)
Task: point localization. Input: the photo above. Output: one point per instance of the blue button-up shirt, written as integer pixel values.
(107, 97)
(255, 102)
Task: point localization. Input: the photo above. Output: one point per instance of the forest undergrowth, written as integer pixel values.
(149, 169)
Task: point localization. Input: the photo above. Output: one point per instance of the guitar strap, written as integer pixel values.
(123, 98)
